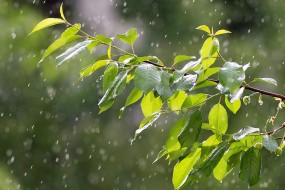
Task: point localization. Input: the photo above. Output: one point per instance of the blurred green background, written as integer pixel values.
(51, 136)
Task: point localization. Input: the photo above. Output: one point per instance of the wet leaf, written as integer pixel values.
(146, 122)
(92, 68)
(180, 58)
(129, 37)
(218, 118)
(244, 132)
(235, 106)
(266, 80)
(146, 77)
(109, 75)
(209, 52)
(250, 167)
(175, 102)
(269, 143)
(150, 104)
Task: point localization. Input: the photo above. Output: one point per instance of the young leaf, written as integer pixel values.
(46, 23)
(175, 102)
(109, 75)
(58, 44)
(235, 106)
(218, 117)
(92, 68)
(184, 167)
(146, 122)
(231, 76)
(106, 105)
(269, 143)
(146, 77)
(73, 51)
(191, 131)
(61, 12)
(250, 166)
(209, 52)
(204, 28)
(129, 37)
(150, 104)
(133, 97)
(103, 39)
(266, 80)
(109, 52)
(244, 132)
(220, 32)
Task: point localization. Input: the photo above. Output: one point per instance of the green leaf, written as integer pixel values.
(220, 32)
(146, 58)
(184, 167)
(191, 65)
(266, 80)
(250, 167)
(180, 58)
(218, 117)
(269, 143)
(146, 122)
(191, 131)
(93, 45)
(184, 83)
(92, 68)
(109, 52)
(61, 12)
(116, 88)
(129, 37)
(74, 29)
(204, 28)
(230, 159)
(235, 106)
(133, 97)
(208, 166)
(244, 132)
(231, 76)
(46, 23)
(194, 100)
(163, 88)
(109, 75)
(172, 144)
(106, 105)
(237, 95)
(175, 102)
(150, 104)
(73, 51)
(209, 52)
(58, 44)
(146, 77)
(103, 39)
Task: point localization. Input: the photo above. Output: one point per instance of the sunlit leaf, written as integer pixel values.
(73, 51)
(175, 102)
(184, 167)
(244, 132)
(58, 44)
(220, 32)
(231, 76)
(208, 166)
(209, 52)
(106, 105)
(250, 167)
(191, 131)
(235, 106)
(146, 77)
(109, 52)
(61, 12)
(46, 23)
(204, 28)
(194, 100)
(103, 39)
(237, 95)
(266, 80)
(150, 104)
(192, 64)
(218, 117)
(92, 68)
(129, 37)
(269, 143)
(74, 29)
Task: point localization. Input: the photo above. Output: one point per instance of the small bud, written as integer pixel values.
(246, 100)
